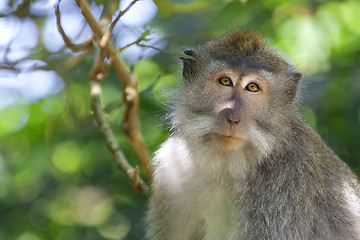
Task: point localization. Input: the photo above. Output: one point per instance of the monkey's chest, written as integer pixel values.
(214, 209)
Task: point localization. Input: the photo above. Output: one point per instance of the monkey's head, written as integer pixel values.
(236, 93)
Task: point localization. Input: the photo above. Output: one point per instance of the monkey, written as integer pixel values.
(240, 162)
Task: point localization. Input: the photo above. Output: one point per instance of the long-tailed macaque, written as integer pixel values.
(241, 163)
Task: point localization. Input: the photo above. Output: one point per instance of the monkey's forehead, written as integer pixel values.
(244, 47)
(261, 60)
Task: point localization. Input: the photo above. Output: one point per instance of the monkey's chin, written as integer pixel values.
(228, 142)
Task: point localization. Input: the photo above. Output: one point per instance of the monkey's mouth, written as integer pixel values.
(228, 141)
(227, 136)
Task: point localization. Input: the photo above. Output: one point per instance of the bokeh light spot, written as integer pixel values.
(67, 157)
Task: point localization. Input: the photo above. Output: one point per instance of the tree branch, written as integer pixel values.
(131, 122)
(107, 35)
(98, 72)
(76, 47)
(108, 135)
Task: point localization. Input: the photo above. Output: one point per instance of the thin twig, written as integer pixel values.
(106, 37)
(7, 49)
(85, 46)
(113, 105)
(163, 50)
(121, 13)
(17, 69)
(108, 135)
(136, 42)
(70, 63)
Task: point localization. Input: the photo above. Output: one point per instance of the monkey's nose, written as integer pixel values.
(233, 118)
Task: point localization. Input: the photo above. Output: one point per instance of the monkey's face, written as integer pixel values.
(235, 101)
(239, 102)
(225, 107)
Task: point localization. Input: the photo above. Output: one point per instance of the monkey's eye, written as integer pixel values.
(252, 87)
(225, 81)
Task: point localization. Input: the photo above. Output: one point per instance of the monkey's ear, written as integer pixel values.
(189, 68)
(296, 76)
(295, 79)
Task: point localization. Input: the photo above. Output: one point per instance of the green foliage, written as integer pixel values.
(57, 178)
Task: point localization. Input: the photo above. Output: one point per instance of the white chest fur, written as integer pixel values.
(216, 213)
(197, 194)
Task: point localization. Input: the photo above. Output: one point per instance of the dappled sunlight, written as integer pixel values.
(19, 35)
(13, 119)
(92, 206)
(28, 86)
(139, 14)
(67, 157)
(88, 206)
(310, 40)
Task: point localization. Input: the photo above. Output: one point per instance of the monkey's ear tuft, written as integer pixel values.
(190, 52)
(189, 63)
(297, 76)
(295, 79)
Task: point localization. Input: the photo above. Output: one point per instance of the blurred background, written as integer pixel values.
(57, 178)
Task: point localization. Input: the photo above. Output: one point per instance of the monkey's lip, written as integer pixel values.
(228, 142)
(227, 136)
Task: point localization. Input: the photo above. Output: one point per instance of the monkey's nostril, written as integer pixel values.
(232, 119)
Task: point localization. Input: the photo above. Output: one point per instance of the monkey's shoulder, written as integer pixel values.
(173, 161)
(304, 149)
(306, 159)
(174, 149)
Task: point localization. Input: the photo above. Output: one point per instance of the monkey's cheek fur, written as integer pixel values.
(228, 142)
